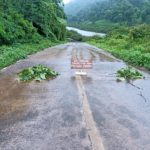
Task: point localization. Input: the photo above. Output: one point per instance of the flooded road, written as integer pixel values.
(73, 112)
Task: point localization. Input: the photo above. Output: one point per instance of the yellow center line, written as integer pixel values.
(93, 133)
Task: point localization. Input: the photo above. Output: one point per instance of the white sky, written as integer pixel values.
(66, 1)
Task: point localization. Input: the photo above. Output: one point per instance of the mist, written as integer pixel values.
(128, 12)
(75, 6)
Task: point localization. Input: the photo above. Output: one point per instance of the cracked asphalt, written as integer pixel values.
(71, 112)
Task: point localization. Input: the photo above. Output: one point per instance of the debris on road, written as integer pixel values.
(37, 73)
(128, 74)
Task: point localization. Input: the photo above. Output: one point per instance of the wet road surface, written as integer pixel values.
(73, 112)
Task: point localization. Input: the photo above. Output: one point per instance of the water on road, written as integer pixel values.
(72, 112)
(86, 33)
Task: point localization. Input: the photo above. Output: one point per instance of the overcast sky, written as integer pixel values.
(66, 1)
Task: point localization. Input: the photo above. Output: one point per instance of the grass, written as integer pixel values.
(12, 53)
(134, 56)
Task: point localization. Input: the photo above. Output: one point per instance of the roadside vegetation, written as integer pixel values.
(27, 27)
(129, 44)
(9, 54)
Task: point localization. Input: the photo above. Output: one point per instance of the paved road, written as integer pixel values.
(73, 112)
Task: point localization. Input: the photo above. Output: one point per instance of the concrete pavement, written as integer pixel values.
(70, 112)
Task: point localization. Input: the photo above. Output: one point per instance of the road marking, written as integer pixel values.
(93, 133)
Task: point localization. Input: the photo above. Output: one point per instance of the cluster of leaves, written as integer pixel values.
(129, 44)
(128, 74)
(141, 31)
(37, 73)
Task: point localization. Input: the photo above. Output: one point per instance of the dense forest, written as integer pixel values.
(106, 12)
(125, 11)
(23, 20)
(27, 26)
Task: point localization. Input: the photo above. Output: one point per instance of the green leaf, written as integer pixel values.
(43, 76)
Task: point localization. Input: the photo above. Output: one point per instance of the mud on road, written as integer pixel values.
(70, 112)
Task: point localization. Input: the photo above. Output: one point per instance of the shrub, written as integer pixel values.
(140, 31)
(75, 36)
(13, 28)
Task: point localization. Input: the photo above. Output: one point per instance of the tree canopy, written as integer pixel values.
(26, 19)
(128, 12)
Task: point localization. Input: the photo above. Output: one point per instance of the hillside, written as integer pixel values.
(23, 20)
(104, 12)
(27, 26)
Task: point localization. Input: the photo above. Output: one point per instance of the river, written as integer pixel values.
(86, 33)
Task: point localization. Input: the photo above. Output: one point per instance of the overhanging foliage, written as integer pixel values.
(26, 19)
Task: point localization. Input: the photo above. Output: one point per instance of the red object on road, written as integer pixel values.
(81, 64)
